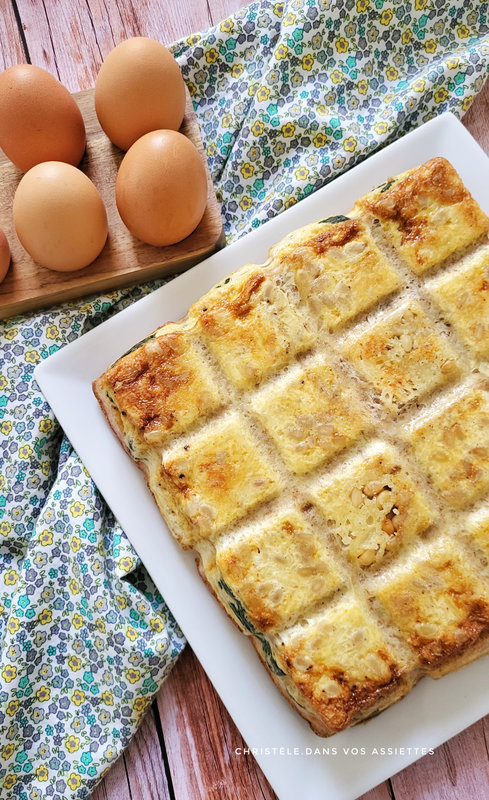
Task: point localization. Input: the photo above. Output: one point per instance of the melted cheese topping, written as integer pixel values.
(464, 298)
(403, 356)
(219, 475)
(427, 213)
(278, 570)
(372, 505)
(452, 445)
(440, 607)
(311, 415)
(338, 269)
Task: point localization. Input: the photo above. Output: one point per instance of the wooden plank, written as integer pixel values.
(459, 768)
(139, 773)
(168, 21)
(11, 47)
(476, 119)
(201, 739)
(63, 38)
(72, 39)
(381, 792)
(124, 260)
(115, 785)
(144, 763)
(220, 9)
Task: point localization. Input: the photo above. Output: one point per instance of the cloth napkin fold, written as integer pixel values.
(288, 95)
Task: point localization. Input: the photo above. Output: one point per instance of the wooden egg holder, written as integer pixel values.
(124, 261)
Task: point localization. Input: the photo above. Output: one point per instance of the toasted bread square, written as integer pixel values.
(161, 388)
(438, 603)
(338, 268)
(372, 505)
(403, 355)
(342, 663)
(463, 296)
(277, 569)
(219, 475)
(252, 325)
(426, 213)
(311, 415)
(452, 445)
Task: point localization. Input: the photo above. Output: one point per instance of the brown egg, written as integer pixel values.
(161, 188)
(59, 216)
(4, 256)
(39, 119)
(139, 89)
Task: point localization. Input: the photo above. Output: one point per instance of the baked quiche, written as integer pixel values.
(316, 430)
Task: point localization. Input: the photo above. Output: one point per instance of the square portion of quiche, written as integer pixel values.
(338, 268)
(452, 445)
(403, 355)
(252, 325)
(438, 603)
(219, 475)
(277, 569)
(372, 505)
(426, 213)
(463, 296)
(342, 663)
(312, 414)
(161, 388)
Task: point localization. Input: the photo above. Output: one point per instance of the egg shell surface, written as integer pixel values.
(59, 216)
(39, 119)
(161, 188)
(4, 255)
(139, 89)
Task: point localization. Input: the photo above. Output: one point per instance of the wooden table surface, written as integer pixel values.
(185, 748)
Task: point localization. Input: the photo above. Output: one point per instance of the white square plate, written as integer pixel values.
(352, 762)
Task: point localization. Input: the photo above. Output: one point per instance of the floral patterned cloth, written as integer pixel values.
(288, 95)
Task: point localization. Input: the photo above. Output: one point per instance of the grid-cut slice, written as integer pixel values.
(427, 214)
(372, 505)
(160, 388)
(463, 295)
(403, 355)
(338, 268)
(343, 665)
(439, 605)
(219, 475)
(312, 414)
(252, 324)
(277, 569)
(452, 444)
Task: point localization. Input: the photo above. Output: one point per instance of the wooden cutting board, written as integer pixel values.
(124, 261)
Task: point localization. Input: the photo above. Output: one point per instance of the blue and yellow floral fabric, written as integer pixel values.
(288, 95)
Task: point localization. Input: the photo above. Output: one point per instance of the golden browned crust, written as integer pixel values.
(145, 381)
(401, 203)
(428, 213)
(474, 626)
(438, 604)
